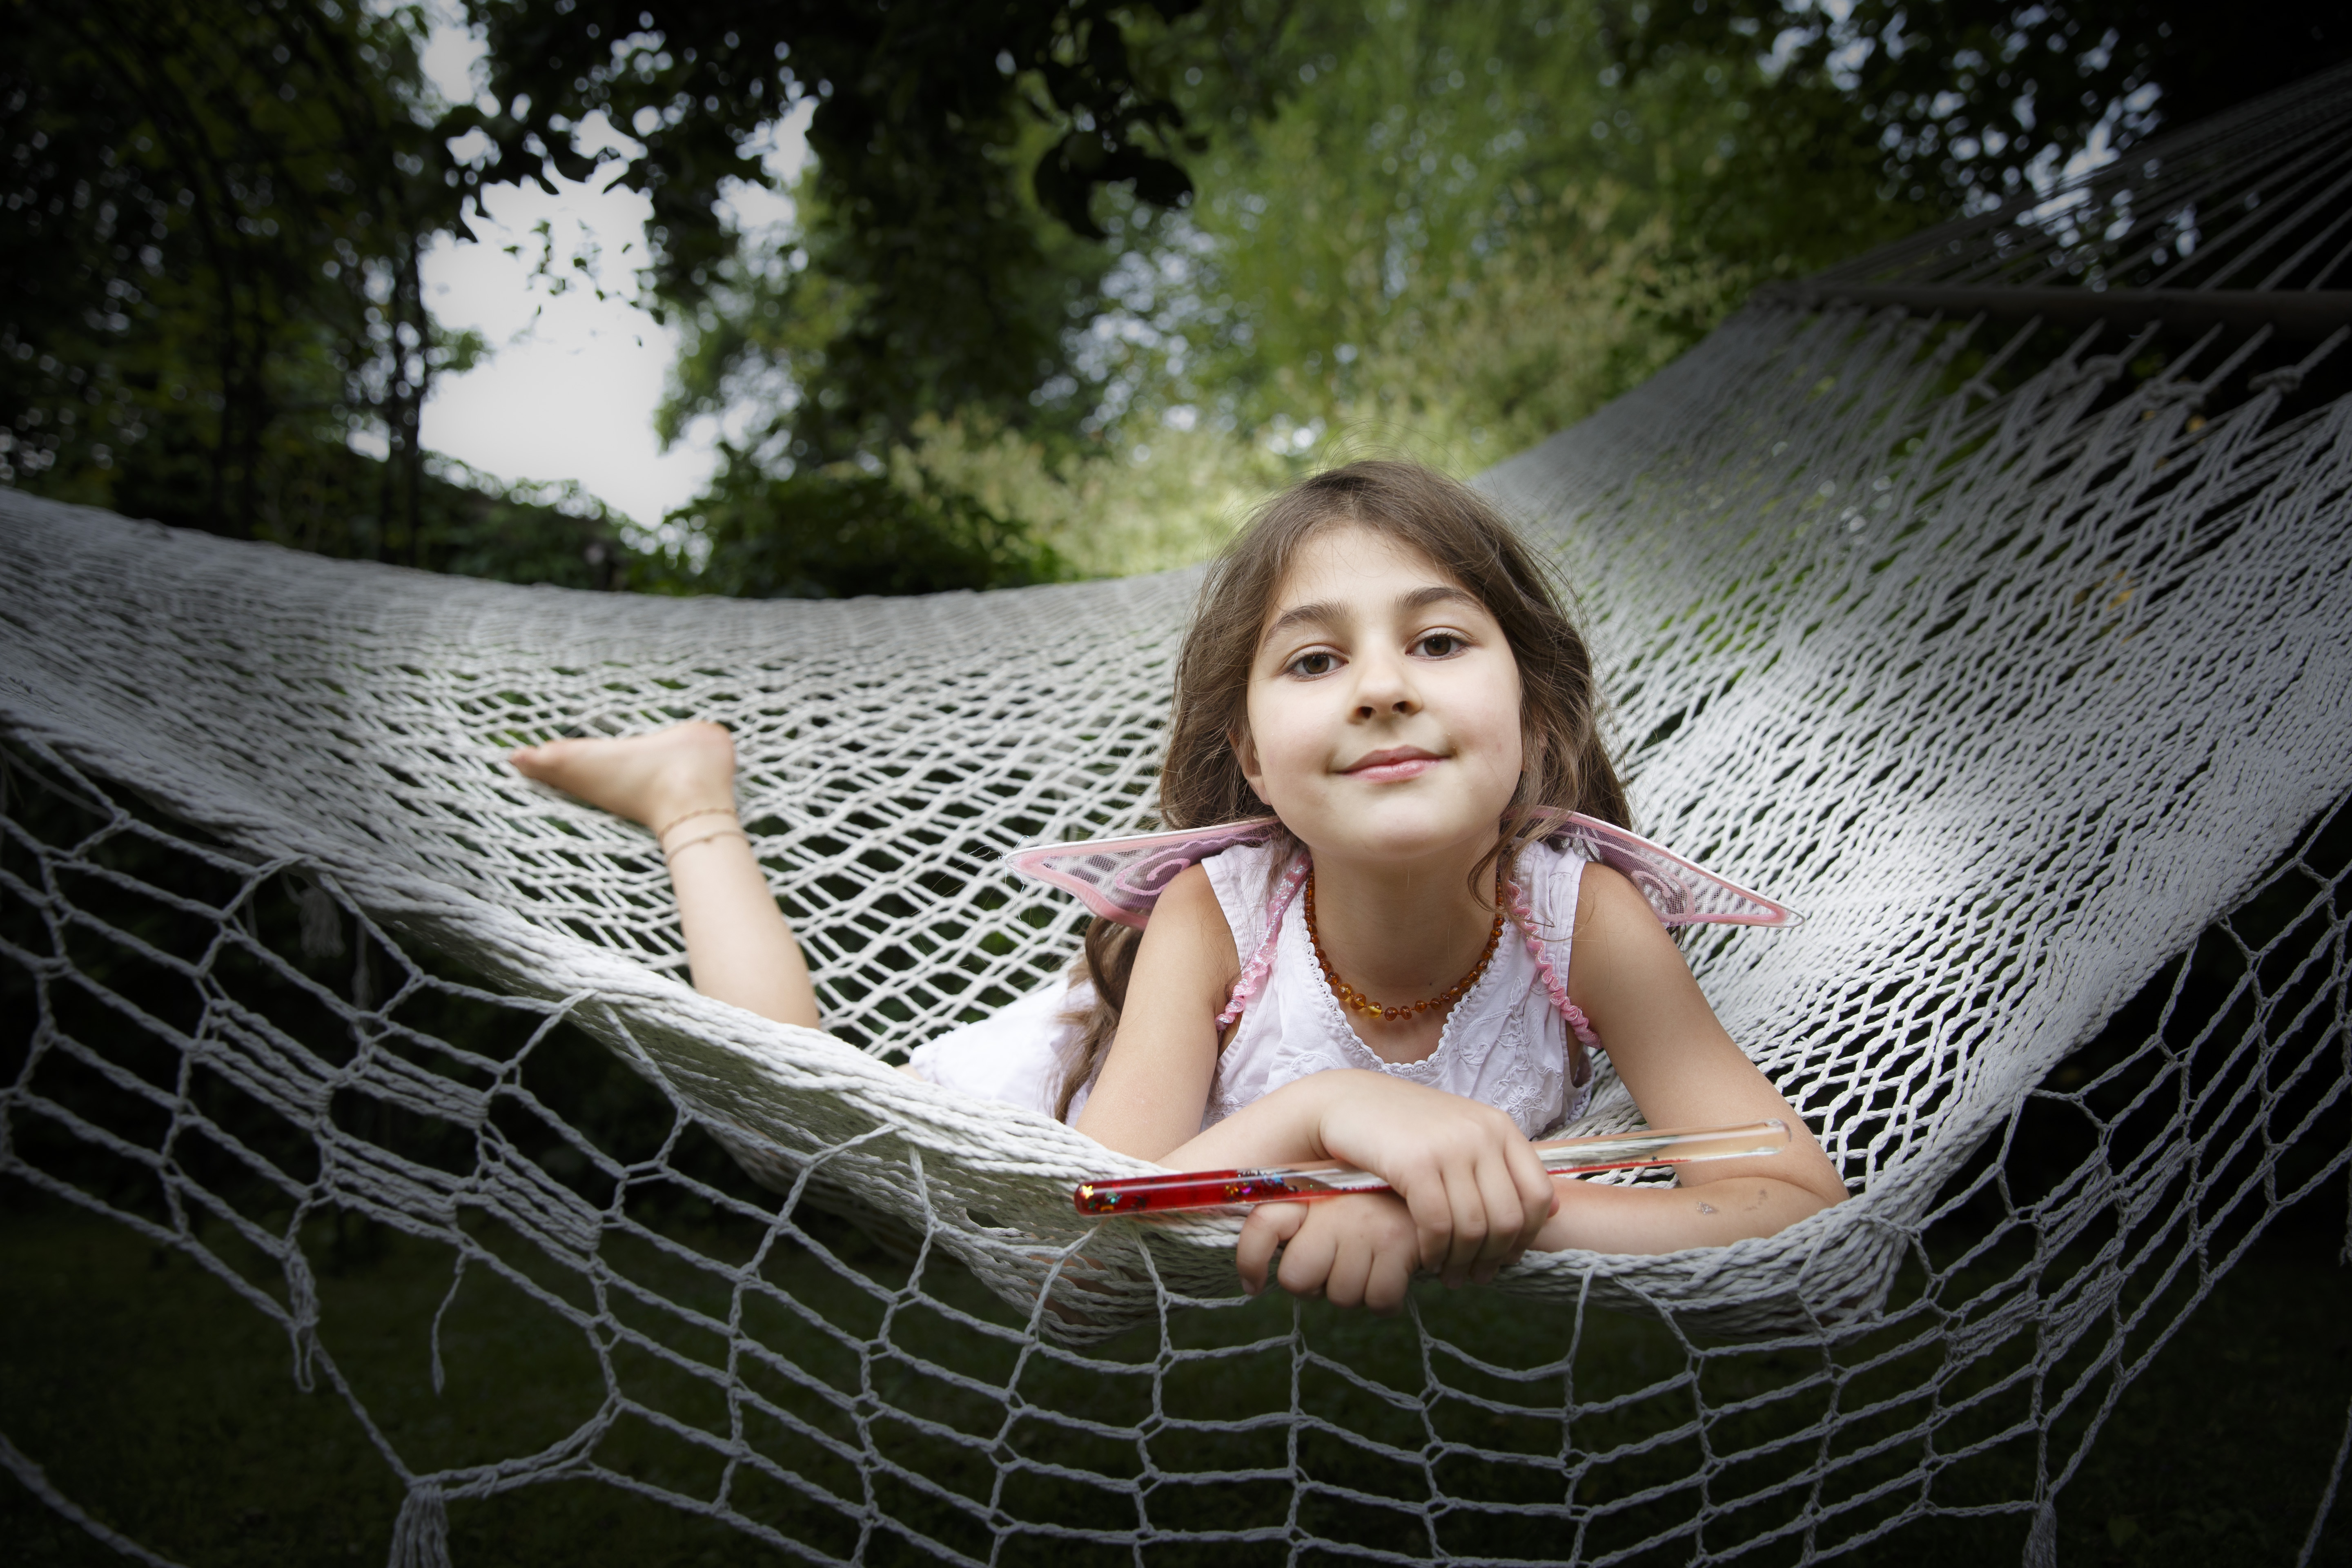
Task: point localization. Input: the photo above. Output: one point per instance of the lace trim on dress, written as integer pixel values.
(1428, 1067)
(1523, 1094)
(1253, 977)
(1496, 1043)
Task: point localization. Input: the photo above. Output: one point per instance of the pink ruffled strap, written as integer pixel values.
(1252, 979)
(1580, 1028)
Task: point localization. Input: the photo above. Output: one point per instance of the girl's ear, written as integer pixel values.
(1246, 753)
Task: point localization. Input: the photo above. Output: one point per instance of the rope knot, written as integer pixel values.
(420, 1536)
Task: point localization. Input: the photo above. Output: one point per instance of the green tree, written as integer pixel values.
(1468, 213)
(1964, 101)
(214, 209)
(860, 533)
(215, 212)
(1469, 223)
(1457, 229)
(948, 258)
(1450, 228)
(925, 281)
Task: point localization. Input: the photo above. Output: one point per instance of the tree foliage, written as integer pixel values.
(214, 208)
(1965, 100)
(1440, 228)
(215, 212)
(925, 281)
(1411, 225)
(860, 533)
(1003, 321)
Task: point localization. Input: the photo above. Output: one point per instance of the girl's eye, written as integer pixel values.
(1440, 645)
(1313, 664)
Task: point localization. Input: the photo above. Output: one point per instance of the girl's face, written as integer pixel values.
(1383, 705)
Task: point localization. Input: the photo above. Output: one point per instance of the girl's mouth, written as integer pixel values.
(1396, 763)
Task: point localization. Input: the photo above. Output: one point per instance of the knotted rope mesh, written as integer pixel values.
(2015, 654)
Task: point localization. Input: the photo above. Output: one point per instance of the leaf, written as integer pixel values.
(1062, 192)
(1084, 153)
(1162, 182)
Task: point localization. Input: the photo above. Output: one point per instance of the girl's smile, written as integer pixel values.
(1384, 723)
(1396, 762)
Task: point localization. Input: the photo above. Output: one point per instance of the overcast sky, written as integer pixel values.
(570, 388)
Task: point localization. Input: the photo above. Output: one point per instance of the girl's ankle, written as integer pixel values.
(711, 812)
(695, 778)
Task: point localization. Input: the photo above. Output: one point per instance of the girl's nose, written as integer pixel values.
(1384, 686)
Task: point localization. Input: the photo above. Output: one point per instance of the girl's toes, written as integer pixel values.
(545, 762)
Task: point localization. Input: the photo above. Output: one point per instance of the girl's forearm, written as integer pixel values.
(1280, 1129)
(1598, 1217)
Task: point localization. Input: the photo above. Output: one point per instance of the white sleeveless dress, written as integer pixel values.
(1515, 1041)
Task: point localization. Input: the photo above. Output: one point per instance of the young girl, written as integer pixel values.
(1378, 978)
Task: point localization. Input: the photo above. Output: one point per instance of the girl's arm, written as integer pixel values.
(1154, 1085)
(1473, 1191)
(1470, 1194)
(1683, 1070)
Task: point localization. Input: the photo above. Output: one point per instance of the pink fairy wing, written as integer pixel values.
(1121, 879)
(1682, 892)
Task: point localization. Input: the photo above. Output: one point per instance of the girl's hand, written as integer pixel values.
(1472, 1186)
(1356, 1251)
(1475, 1190)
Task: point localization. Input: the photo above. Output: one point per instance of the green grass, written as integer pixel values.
(164, 1405)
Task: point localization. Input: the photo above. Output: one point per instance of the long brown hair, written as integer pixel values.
(1565, 762)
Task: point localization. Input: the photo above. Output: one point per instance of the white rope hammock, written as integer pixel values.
(2016, 668)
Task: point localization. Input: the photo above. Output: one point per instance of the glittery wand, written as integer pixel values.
(1329, 1178)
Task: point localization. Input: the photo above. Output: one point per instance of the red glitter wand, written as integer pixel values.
(1329, 1178)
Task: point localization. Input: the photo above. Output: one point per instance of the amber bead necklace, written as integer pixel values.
(1350, 997)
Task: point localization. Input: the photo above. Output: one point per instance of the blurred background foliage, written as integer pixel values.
(213, 219)
(1069, 282)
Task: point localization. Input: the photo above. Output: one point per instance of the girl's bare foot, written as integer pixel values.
(653, 779)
